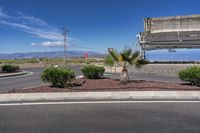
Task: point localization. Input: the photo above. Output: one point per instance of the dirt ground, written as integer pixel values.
(107, 84)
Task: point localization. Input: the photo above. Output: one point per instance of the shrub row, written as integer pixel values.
(58, 77)
(191, 74)
(9, 68)
(92, 71)
(61, 77)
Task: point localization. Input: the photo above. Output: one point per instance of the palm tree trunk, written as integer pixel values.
(124, 74)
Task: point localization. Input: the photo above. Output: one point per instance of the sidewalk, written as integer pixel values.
(122, 95)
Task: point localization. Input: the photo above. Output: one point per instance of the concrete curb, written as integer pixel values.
(122, 95)
(14, 74)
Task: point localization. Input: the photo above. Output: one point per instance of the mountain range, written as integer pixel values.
(54, 54)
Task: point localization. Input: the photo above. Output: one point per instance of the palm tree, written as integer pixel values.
(127, 57)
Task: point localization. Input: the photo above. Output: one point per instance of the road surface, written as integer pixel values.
(101, 118)
(27, 81)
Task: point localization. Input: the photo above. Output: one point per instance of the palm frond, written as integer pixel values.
(127, 52)
(134, 55)
(122, 57)
(127, 56)
(114, 54)
(139, 62)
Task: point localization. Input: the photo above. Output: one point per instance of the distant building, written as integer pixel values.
(170, 33)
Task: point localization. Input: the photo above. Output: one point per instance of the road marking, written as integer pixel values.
(79, 76)
(23, 75)
(92, 102)
(107, 74)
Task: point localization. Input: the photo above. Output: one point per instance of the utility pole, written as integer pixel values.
(65, 30)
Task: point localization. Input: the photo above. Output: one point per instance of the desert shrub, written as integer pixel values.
(108, 60)
(92, 71)
(32, 61)
(191, 74)
(9, 68)
(58, 77)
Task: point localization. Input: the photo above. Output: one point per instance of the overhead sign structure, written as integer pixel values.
(170, 33)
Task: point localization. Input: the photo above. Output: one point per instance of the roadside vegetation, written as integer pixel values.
(191, 75)
(9, 68)
(63, 77)
(125, 58)
(19, 61)
(47, 62)
(58, 77)
(108, 61)
(93, 72)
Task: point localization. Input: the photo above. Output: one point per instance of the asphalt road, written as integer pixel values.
(101, 118)
(26, 81)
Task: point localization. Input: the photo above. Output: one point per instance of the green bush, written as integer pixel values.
(58, 77)
(92, 71)
(191, 74)
(32, 61)
(9, 68)
(108, 60)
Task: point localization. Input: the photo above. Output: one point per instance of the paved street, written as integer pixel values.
(27, 80)
(101, 118)
(21, 81)
(34, 79)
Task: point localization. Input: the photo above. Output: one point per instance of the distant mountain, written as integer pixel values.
(55, 54)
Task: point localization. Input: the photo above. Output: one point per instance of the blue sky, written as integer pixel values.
(94, 25)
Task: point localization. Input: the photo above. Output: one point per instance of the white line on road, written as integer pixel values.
(23, 75)
(79, 76)
(92, 102)
(107, 74)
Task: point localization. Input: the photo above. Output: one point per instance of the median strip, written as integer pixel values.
(126, 95)
(92, 102)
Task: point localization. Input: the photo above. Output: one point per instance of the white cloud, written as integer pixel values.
(49, 44)
(34, 20)
(3, 14)
(41, 33)
(30, 19)
(30, 24)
